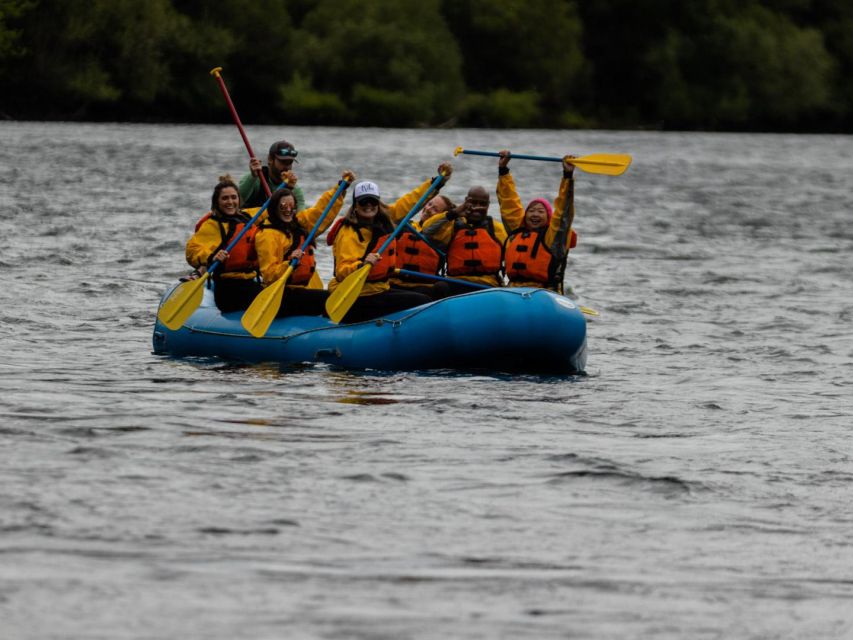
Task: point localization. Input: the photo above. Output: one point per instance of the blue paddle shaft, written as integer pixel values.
(425, 239)
(436, 182)
(429, 276)
(513, 156)
(341, 186)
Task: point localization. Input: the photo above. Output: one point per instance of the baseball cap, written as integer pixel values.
(283, 150)
(365, 189)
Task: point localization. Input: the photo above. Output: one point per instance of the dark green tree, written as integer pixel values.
(251, 41)
(739, 67)
(707, 64)
(834, 19)
(712, 64)
(98, 58)
(9, 35)
(523, 56)
(389, 62)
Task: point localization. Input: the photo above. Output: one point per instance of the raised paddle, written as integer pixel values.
(215, 72)
(347, 292)
(474, 285)
(186, 297)
(265, 306)
(610, 164)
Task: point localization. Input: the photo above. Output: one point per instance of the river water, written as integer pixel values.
(695, 484)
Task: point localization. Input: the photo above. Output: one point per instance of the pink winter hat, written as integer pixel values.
(544, 203)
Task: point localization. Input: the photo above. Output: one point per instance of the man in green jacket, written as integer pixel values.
(279, 167)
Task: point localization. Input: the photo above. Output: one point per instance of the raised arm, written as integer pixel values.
(512, 211)
(399, 208)
(560, 229)
(307, 218)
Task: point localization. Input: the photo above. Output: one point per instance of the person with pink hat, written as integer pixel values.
(539, 235)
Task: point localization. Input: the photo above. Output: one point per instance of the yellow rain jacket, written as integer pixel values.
(273, 246)
(350, 250)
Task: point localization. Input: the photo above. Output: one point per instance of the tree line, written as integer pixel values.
(777, 65)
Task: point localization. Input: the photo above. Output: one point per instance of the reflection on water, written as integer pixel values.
(356, 397)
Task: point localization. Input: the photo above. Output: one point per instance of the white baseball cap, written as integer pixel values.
(365, 189)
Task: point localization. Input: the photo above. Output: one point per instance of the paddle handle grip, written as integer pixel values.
(436, 182)
(215, 72)
(343, 184)
(513, 156)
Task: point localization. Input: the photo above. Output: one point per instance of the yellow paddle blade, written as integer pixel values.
(609, 164)
(181, 303)
(316, 282)
(346, 293)
(264, 308)
(589, 312)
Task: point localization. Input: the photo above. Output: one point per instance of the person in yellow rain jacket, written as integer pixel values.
(415, 254)
(235, 282)
(472, 240)
(278, 241)
(355, 239)
(540, 237)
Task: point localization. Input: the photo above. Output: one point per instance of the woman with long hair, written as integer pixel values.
(354, 239)
(236, 283)
(279, 239)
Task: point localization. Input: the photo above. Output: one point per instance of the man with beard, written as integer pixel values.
(472, 240)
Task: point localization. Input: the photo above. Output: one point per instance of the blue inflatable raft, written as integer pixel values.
(501, 330)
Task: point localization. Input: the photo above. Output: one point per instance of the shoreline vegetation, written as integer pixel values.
(708, 65)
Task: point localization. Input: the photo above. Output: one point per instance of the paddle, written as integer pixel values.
(186, 297)
(316, 281)
(473, 285)
(215, 73)
(347, 292)
(428, 242)
(260, 314)
(610, 164)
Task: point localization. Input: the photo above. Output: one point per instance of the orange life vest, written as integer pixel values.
(527, 259)
(474, 251)
(388, 260)
(413, 254)
(303, 271)
(383, 269)
(242, 256)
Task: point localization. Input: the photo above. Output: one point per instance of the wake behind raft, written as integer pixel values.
(512, 330)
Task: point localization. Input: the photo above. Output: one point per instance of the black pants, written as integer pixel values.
(298, 301)
(235, 294)
(383, 304)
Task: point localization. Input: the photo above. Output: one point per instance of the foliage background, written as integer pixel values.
(666, 64)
